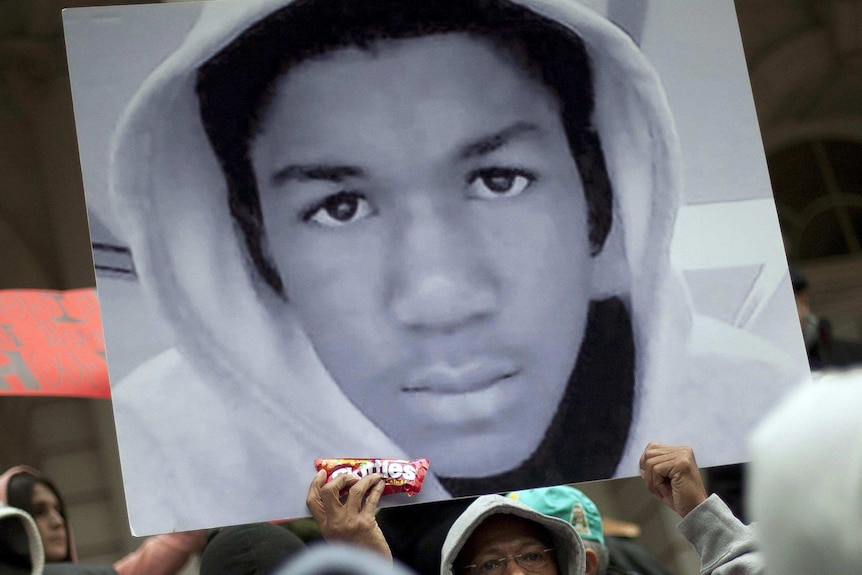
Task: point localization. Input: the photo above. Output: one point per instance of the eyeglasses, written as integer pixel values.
(529, 561)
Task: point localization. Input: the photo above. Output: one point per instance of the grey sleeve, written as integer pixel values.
(726, 546)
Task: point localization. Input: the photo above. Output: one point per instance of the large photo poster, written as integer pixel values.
(520, 239)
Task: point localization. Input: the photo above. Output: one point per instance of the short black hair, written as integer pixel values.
(234, 87)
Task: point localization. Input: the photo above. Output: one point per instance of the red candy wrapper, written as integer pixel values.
(399, 475)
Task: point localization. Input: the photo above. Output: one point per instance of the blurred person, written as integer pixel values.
(437, 229)
(25, 488)
(805, 479)
(824, 349)
(253, 549)
(341, 559)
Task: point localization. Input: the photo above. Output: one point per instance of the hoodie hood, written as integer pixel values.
(154, 155)
(569, 549)
(20, 538)
(6, 477)
(192, 263)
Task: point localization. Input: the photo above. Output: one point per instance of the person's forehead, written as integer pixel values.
(504, 530)
(351, 100)
(403, 56)
(42, 492)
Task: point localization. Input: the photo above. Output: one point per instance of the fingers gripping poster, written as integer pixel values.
(519, 239)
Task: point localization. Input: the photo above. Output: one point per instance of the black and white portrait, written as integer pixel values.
(519, 238)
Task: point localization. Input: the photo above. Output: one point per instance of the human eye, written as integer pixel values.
(338, 209)
(490, 566)
(532, 557)
(496, 183)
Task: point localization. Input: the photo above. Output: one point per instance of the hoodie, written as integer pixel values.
(160, 555)
(20, 543)
(567, 544)
(222, 428)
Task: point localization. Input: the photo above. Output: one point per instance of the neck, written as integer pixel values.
(586, 438)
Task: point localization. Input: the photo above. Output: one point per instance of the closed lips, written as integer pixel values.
(472, 376)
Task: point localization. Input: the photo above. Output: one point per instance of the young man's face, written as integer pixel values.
(429, 222)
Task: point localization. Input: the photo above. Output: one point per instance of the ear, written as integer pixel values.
(592, 561)
(610, 269)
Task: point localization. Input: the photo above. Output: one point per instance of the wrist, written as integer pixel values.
(691, 504)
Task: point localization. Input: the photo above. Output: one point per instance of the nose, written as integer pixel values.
(512, 567)
(55, 519)
(442, 276)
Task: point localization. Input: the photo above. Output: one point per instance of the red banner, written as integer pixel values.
(51, 343)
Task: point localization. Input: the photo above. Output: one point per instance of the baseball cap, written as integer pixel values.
(567, 503)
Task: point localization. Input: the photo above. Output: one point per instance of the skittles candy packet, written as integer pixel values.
(399, 475)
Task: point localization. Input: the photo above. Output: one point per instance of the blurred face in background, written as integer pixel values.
(48, 513)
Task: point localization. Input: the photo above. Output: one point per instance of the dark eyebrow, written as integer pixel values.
(323, 172)
(492, 142)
